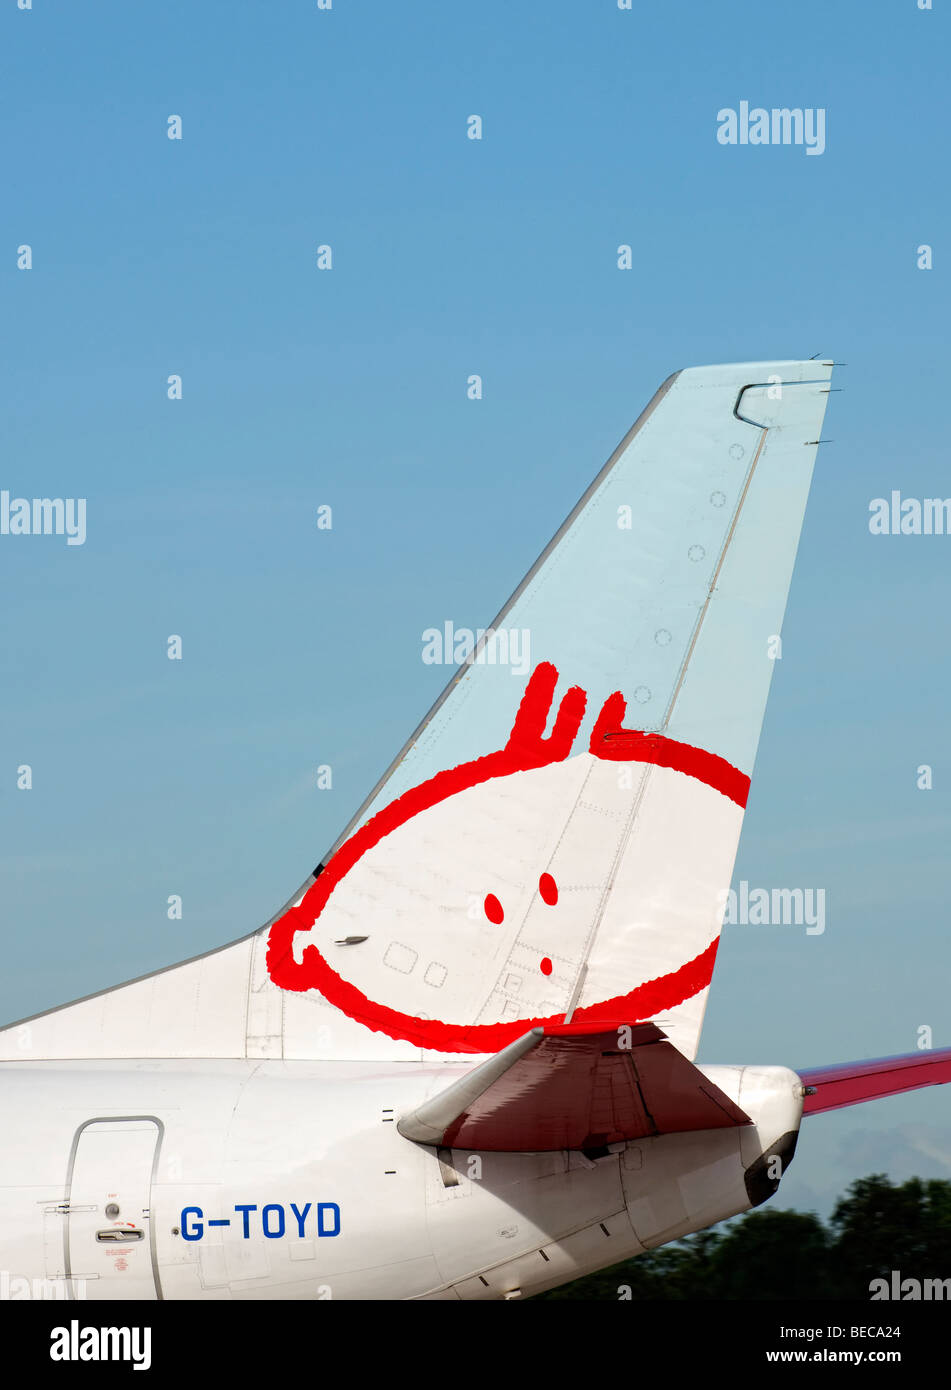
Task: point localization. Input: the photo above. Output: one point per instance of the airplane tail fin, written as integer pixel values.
(555, 842)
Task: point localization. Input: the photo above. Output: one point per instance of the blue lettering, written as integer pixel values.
(321, 1208)
(273, 1220)
(247, 1220)
(273, 1235)
(199, 1226)
(301, 1217)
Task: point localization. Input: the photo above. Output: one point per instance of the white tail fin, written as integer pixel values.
(555, 840)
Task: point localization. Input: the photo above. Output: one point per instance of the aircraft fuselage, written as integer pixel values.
(185, 1179)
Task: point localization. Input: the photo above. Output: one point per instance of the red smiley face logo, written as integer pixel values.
(527, 748)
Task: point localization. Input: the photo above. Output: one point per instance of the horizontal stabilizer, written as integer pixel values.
(849, 1083)
(573, 1086)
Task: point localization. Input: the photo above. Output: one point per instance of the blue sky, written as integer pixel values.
(301, 388)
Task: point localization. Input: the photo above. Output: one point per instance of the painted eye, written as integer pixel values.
(493, 909)
(548, 889)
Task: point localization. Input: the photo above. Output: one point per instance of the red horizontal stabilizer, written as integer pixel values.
(574, 1086)
(848, 1083)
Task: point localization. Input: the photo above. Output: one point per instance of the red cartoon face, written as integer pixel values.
(547, 891)
(499, 894)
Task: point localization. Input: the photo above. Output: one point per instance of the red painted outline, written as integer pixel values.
(610, 741)
(527, 748)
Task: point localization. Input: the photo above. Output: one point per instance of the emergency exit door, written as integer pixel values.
(108, 1227)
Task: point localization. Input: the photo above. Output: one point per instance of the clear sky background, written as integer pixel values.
(348, 388)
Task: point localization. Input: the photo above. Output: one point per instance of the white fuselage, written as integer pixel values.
(289, 1180)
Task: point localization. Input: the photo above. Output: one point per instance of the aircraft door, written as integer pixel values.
(108, 1225)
